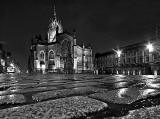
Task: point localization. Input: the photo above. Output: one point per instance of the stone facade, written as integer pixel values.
(59, 52)
(8, 64)
(135, 59)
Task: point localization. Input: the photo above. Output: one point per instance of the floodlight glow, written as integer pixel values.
(150, 47)
(38, 66)
(43, 66)
(11, 64)
(119, 52)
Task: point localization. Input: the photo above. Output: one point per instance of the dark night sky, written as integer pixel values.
(103, 23)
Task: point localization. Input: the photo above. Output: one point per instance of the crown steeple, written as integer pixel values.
(54, 27)
(54, 12)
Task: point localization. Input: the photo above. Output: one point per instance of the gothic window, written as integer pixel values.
(51, 55)
(66, 45)
(42, 56)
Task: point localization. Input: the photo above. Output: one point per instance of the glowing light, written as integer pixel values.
(27, 71)
(12, 65)
(134, 72)
(128, 72)
(43, 66)
(150, 47)
(119, 52)
(155, 72)
(11, 96)
(117, 72)
(38, 66)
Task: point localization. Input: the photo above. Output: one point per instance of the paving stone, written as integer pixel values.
(143, 113)
(66, 92)
(13, 98)
(63, 108)
(120, 96)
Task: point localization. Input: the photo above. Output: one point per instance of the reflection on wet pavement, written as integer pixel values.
(113, 90)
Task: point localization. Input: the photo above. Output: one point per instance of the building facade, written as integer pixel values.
(2, 59)
(59, 52)
(7, 63)
(136, 59)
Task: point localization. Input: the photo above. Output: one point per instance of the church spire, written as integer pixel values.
(54, 12)
(54, 9)
(55, 26)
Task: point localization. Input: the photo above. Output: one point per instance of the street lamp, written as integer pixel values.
(118, 52)
(150, 47)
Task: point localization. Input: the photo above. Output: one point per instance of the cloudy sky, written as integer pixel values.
(105, 24)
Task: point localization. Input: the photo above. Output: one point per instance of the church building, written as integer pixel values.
(59, 52)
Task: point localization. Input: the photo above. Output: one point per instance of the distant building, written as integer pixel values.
(59, 52)
(12, 66)
(2, 59)
(7, 62)
(83, 59)
(136, 59)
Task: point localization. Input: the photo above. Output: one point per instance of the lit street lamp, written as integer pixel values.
(150, 47)
(119, 52)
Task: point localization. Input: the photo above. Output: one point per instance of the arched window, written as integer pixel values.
(51, 55)
(42, 55)
(66, 46)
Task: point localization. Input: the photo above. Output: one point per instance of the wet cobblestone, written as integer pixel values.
(64, 96)
(64, 108)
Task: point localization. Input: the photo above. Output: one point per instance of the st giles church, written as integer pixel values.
(59, 52)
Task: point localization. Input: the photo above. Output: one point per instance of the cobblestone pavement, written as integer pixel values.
(100, 96)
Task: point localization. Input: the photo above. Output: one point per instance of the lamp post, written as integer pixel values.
(118, 53)
(150, 48)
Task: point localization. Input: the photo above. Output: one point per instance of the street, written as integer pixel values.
(76, 96)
